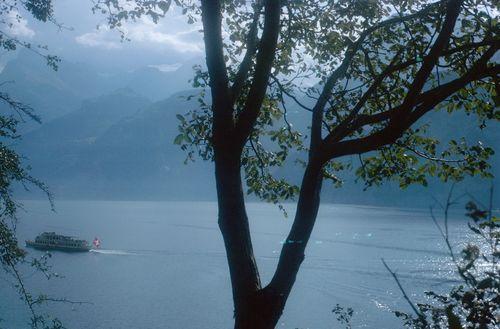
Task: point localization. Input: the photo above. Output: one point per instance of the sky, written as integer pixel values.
(164, 45)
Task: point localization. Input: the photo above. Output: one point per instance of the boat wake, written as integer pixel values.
(111, 252)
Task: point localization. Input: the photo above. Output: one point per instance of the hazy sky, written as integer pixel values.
(164, 45)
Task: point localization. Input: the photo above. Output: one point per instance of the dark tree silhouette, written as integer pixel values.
(380, 66)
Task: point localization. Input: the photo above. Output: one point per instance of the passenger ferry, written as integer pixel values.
(53, 241)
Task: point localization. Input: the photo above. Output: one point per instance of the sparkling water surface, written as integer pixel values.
(162, 264)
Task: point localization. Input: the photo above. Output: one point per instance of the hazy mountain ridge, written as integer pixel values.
(55, 93)
(120, 145)
(131, 155)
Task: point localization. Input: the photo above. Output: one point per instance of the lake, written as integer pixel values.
(162, 264)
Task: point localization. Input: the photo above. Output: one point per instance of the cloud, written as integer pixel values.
(166, 67)
(18, 26)
(97, 39)
(176, 41)
(147, 33)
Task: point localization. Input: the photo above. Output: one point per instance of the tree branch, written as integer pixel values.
(344, 126)
(292, 252)
(420, 315)
(246, 63)
(289, 94)
(20, 108)
(453, 8)
(365, 119)
(434, 96)
(430, 157)
(339, 73)
(221, 107)
(425, 102)
(265, 58)
(447, 52)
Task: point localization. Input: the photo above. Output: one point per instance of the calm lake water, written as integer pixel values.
(162, 264)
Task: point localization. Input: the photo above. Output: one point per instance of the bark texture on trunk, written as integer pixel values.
(261, 311)
(261, 308)
(292, 253)
(233, 224)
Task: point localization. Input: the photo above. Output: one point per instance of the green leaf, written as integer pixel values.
(165, 5)
(178, 139)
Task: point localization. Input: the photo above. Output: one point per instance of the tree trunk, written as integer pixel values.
(263, 308)
(292, 253)
(233, 224)
(260, 311)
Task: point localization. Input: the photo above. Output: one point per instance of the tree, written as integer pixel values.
(380, 66)
(12, 169)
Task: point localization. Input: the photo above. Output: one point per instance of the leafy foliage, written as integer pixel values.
(380, 47)
(12, 169)
(12, 172)
(10, 15)
(117, 11)
(415, 157)
(40, 9)
(344, 316)
(476, 302)
(376, 68)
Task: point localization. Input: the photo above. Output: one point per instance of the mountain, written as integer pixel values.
(158, 84)
(56, 146)
(56, 93)
(137, 155)
(51, 93)
(118, 146)
(108, 138)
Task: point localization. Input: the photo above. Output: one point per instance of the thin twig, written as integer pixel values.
(420, 315)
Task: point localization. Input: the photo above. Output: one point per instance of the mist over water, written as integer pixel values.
(162, 264)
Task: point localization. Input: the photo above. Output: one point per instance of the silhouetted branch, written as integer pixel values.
(405, 295)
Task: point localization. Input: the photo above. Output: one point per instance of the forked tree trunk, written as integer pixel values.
(256, 307)
(260, 311)
(233, 224)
